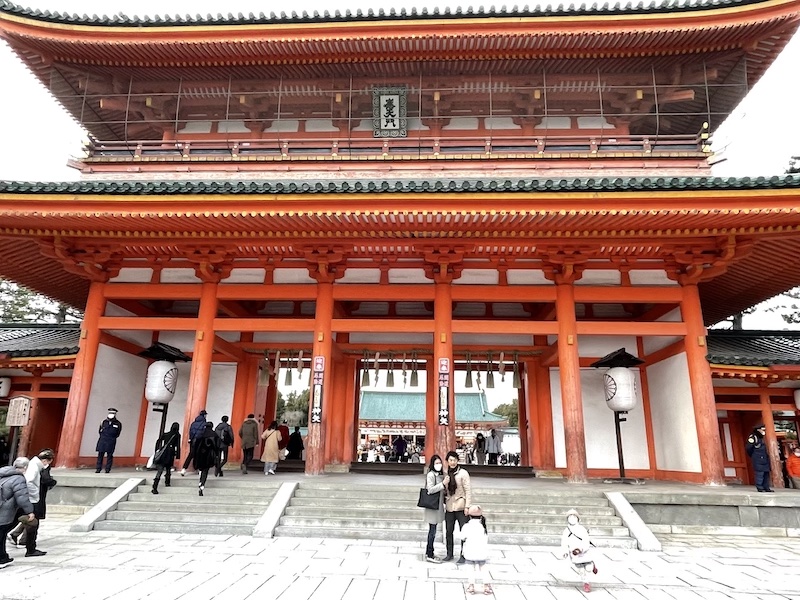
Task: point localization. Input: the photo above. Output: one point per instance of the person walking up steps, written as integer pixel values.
(248, 433)
(225, 433)
(171, 442)
(476, 548)
(206, 454)
(271, 454)
(195, 430)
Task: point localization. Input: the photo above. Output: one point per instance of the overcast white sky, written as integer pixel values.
(38, 136)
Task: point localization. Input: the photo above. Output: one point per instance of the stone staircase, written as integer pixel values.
(230, 505)
(526, 516)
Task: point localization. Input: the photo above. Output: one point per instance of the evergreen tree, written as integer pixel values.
(295, 408)
(509, 411)
(18, 304)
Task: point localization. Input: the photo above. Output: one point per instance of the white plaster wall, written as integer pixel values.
(598, 423)
(119, 382)
(600, 345)
(654, 343)
(183, 340)
(219, 402)
(674, 427)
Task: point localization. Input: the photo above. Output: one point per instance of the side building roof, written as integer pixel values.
(753, 348)
(23, 340)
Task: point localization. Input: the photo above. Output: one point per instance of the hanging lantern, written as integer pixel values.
(620, 385)
(501, 368)
(365, 370)
(517, 380)
(404, 369)
(468, 379)
(375, 365)
(288, 380)
(414, 375)
(5, 387)
(489, 372)
(796, 398)
(162, 378)
(390, 374)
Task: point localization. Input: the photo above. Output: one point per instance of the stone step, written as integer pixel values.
(411, 496)
(416, 513)
(190, 516)
(173, 527)
(527, 491)
(245, 483)
(170, 496)
(186, 491)
(418, 525)
(196, 507)
(419, 536)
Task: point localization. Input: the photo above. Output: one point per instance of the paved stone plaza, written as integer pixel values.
(132, 566)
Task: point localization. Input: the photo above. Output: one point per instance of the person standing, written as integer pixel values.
(248, 433)
(206, 454)
(109, 431)
(225, 433)
(195, 430)
(399, 445)
(13, 497)
(171, 442)
(33, 478)
(793, 467)
(480, 449)
(435, 482)
(295, 445)
(271, 454)
(458, 498)
(476, 548)
(20, 534)
(757, 451)
(284, 442)
(494, 447)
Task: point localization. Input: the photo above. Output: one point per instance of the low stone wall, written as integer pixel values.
(76, 489)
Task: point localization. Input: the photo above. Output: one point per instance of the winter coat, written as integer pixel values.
(476, 540)
(172, 440)
(757, 450)
(295, 445)
(225, 433)
(272, 438)
(13, 495)
(33, 478)
(197, 427)
(284, 441)
(248, 433)
(206, 450)
(109, 432)
(433, 482)
(494, 445)
(462, 497)
(793, 465)
(576, 543)
(46, 483)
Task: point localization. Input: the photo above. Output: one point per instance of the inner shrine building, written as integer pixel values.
(343, 191)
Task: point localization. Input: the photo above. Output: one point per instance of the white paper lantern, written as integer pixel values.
(620, 386)
(5, 387)
(797, 398)
(162, 377)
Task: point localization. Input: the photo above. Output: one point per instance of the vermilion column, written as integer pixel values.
(334, 414)
(570, 374)
(524, 419)
(201, 358)
(323, 346)
(350, 425)
(544, 408)
(242, 402)
(776, 468)
(443, 349)
(705, 410)
(82, 375)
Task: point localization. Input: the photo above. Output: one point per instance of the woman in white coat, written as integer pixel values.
(435, 482)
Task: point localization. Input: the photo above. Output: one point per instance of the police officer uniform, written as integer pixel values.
(757, 450)
(109, 431)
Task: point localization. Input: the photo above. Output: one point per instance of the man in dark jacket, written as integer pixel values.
(295, 445)
(195, 429)
(248, 433)
(13, 497)
(109, 431)
(171, 442)
(759, 455)
(206, 453)
(225, 433)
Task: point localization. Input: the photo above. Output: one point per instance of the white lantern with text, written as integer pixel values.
(162, 378)
(5, 387)
(620, 384)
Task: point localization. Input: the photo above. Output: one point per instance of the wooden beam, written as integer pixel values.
(234, 309)
(751, 391)
(504, 293)
(382, 326)
(136, 307)
(505, 327)
(384, 293)
(229, 349)
(658, 311)
(114, 342)
(149, 323)
(630, 328)
(752, 407)
(255, 324)
(153, 291)
(632, 294)
(672, 349)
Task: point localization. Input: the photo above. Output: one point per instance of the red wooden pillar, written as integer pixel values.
(349, 425)
(525, 430)
(201, 358)
(443, 350)
(544, 409)
(776, 468)
(570, 374)
(334, 418)
(82, 375)
(242, 401)
(705, 410)
(323, 347)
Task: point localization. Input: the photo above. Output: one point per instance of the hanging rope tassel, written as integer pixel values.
(468, 379)
(489, 372)
(365, 370)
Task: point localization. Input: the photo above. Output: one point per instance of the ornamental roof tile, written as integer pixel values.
(410, 406)
(23, 340)
(547, 10)
(355, 186)
(753, 348)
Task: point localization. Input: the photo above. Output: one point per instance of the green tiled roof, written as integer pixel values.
(410, 406)
(23, 340)
(407, 186)
(753, 348)
(293, 17)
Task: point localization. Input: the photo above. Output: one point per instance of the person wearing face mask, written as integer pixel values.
(13, 497)
(756, 449)
(458, 499)
(109, 431)
(435, 482)
(36, 477)
(793, 467)
(577, 546)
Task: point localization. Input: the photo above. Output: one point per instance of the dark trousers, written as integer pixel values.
(223, 458)
(31, 533)
(161, 469)
(109, 461)
(450, 519)
(762, 480)
(203, 477)
(431, 537)
(248, 456)
(4, 529)
(493, 458)
(189, 456)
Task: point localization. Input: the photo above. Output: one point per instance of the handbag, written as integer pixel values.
(427, 500)
(158, 454)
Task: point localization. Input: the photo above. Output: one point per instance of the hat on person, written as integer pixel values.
(203, 413)
(113, 410)
(572, 511)
(475, 511)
